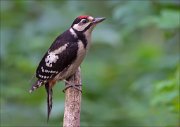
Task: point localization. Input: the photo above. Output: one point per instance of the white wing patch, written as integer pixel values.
(53, 57)
(60, 49)
(42, 69)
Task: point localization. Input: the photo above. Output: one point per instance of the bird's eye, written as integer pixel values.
(84, 21)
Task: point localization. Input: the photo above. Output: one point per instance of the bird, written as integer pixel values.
(65, 55)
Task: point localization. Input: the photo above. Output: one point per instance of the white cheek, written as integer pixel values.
(80, 27)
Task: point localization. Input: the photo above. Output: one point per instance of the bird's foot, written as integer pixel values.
(69, 84)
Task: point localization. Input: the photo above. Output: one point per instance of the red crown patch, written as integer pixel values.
(83, 16)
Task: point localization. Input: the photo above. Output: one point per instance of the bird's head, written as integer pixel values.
(85, 23)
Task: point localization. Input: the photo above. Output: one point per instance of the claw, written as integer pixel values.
(75, 86)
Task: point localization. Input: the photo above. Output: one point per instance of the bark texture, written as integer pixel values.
(73, 102)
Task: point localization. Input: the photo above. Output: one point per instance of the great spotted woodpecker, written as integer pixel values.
(65, 55)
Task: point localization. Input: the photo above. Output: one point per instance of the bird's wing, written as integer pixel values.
(61, 53)
(55, 61)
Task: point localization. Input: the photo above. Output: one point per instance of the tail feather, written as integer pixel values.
(49, 99)
(36, 85)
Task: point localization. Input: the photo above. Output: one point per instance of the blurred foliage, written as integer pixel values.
(130, 75)
(166, 93)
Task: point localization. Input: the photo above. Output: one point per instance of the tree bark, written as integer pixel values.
(73, 102)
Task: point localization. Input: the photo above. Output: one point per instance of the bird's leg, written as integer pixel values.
(69, 84)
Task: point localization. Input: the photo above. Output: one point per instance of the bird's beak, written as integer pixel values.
(98, 20)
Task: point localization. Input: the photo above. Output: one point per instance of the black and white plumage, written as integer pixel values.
(65, 55)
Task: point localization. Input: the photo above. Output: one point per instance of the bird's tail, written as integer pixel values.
(36, 85)
(49, 99)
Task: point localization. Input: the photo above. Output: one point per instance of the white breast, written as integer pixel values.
(88, 37)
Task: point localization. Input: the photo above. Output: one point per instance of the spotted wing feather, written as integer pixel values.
(48, 69)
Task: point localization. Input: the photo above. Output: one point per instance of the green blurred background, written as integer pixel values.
(130, 75)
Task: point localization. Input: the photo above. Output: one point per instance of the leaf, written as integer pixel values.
(169, 19)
